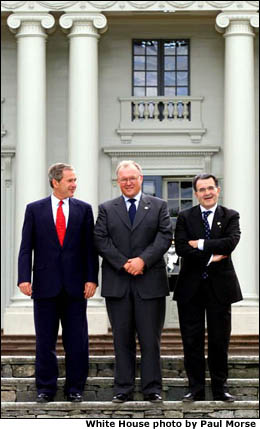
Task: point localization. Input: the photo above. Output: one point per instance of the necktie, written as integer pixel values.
(132, 210)
(60, 223)
(207, 233)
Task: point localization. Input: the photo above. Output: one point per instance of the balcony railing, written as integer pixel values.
(175, 115)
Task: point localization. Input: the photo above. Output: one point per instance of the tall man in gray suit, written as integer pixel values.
(132, 234)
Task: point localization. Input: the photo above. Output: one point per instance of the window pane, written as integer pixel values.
(151, 91)
(186, 204)
(151, 63)
(139, 78)
(169, 78)
(149, 187)
(182, 90)
(169, 48)
(173, 207)
(182, 48)
(169, 91)
(186, 190)
(182, 63)
(182, 78)
(139, 92)
(139, 47)
(151, 48)
(173, 189)
(139, 63)
(169, 63)
(151, 78)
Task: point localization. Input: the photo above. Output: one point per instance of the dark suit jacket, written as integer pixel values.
(54, 266)
(117, 241)
(225, 235)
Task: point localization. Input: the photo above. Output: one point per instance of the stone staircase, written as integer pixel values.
(18, 392)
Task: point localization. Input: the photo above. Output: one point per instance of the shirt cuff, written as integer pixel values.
(201, 244)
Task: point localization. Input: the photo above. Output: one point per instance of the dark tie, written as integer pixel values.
(132, 210)
(60, 223)
(207, 233)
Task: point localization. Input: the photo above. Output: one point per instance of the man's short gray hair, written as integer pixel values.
(128, 163)
(56, 171)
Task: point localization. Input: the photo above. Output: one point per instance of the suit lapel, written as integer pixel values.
(217, 223)
(197, 222)
(72, 219)
(48, 221)
(143, 208)
(121, 210)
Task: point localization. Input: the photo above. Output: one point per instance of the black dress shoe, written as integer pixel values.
(191, 397)
(44, 397)
(74, 397)
(225, 396)
(122, 397)
(153, 397)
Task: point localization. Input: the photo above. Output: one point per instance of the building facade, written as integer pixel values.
(170, 84)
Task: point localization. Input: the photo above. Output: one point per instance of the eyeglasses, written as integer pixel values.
(209, 189)
(129, 179)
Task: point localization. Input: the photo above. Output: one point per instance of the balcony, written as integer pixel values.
(161, 115)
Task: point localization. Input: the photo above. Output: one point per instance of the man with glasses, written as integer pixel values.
(132, 234)
(205, 237)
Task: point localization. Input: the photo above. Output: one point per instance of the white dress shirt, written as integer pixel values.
(137, 197)
(210, 221)
(65, 207)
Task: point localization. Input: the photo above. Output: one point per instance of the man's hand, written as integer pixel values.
(90, 289)
(218, 258)
(193, 243)
(134, 266)
(26, 288)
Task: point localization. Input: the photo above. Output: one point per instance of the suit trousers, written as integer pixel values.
(192, 325)
(130, 315)
(72, 314)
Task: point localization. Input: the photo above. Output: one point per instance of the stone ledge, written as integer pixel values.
(174, 409)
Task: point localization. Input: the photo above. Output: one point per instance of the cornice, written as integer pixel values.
(162, 151)
(119, 6)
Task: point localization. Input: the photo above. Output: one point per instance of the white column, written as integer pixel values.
(31, 135)
(83, 143)
(239, 147)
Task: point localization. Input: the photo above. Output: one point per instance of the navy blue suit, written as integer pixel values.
(59, 276)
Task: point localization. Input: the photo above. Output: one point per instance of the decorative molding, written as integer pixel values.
(3, 131)
(167, 6)
(34, 23)
(83, 23)
(162, 151)
(235, 23)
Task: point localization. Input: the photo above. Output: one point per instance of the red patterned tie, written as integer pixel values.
(60, 223)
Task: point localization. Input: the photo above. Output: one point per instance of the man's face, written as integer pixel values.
(130, 181)
(207, 193)
(66, 186)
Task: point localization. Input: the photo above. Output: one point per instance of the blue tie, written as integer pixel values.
(132, 210)
(207, 233)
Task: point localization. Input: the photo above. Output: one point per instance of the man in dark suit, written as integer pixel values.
(132, 234)
(59, 231)
(205, 237)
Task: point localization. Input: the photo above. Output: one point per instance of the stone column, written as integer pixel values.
(83, 143)
(239, 149)
(31, 139)
(83, 122)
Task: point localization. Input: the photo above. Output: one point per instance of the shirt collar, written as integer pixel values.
(56, 200)
(137, 197)
(212, 209)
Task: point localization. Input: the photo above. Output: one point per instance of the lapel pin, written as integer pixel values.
(219, 224)
(146, 208)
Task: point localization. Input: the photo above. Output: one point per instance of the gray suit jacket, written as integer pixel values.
(117, 241)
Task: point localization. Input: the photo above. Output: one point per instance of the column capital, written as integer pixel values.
(237, 23)
(84, 24)
(30, 24)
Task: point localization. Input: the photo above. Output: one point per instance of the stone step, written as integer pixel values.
(101, 389)
(140, 410)
(103, 366)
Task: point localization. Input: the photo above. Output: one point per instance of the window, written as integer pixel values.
(161, 68)
(179, 195)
